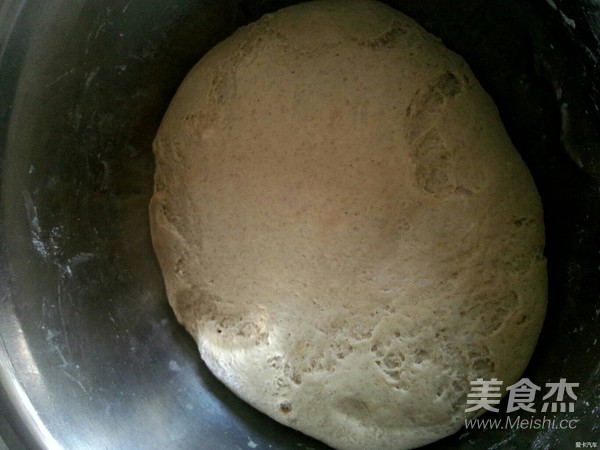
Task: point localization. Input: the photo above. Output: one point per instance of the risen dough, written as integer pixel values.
(344, 226)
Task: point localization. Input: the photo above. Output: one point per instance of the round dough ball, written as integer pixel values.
(344, 226)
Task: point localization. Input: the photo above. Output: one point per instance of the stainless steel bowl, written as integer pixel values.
(90, 353)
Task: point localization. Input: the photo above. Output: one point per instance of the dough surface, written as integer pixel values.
(344, 226)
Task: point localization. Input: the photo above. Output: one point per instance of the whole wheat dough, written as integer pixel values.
(344, 226)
